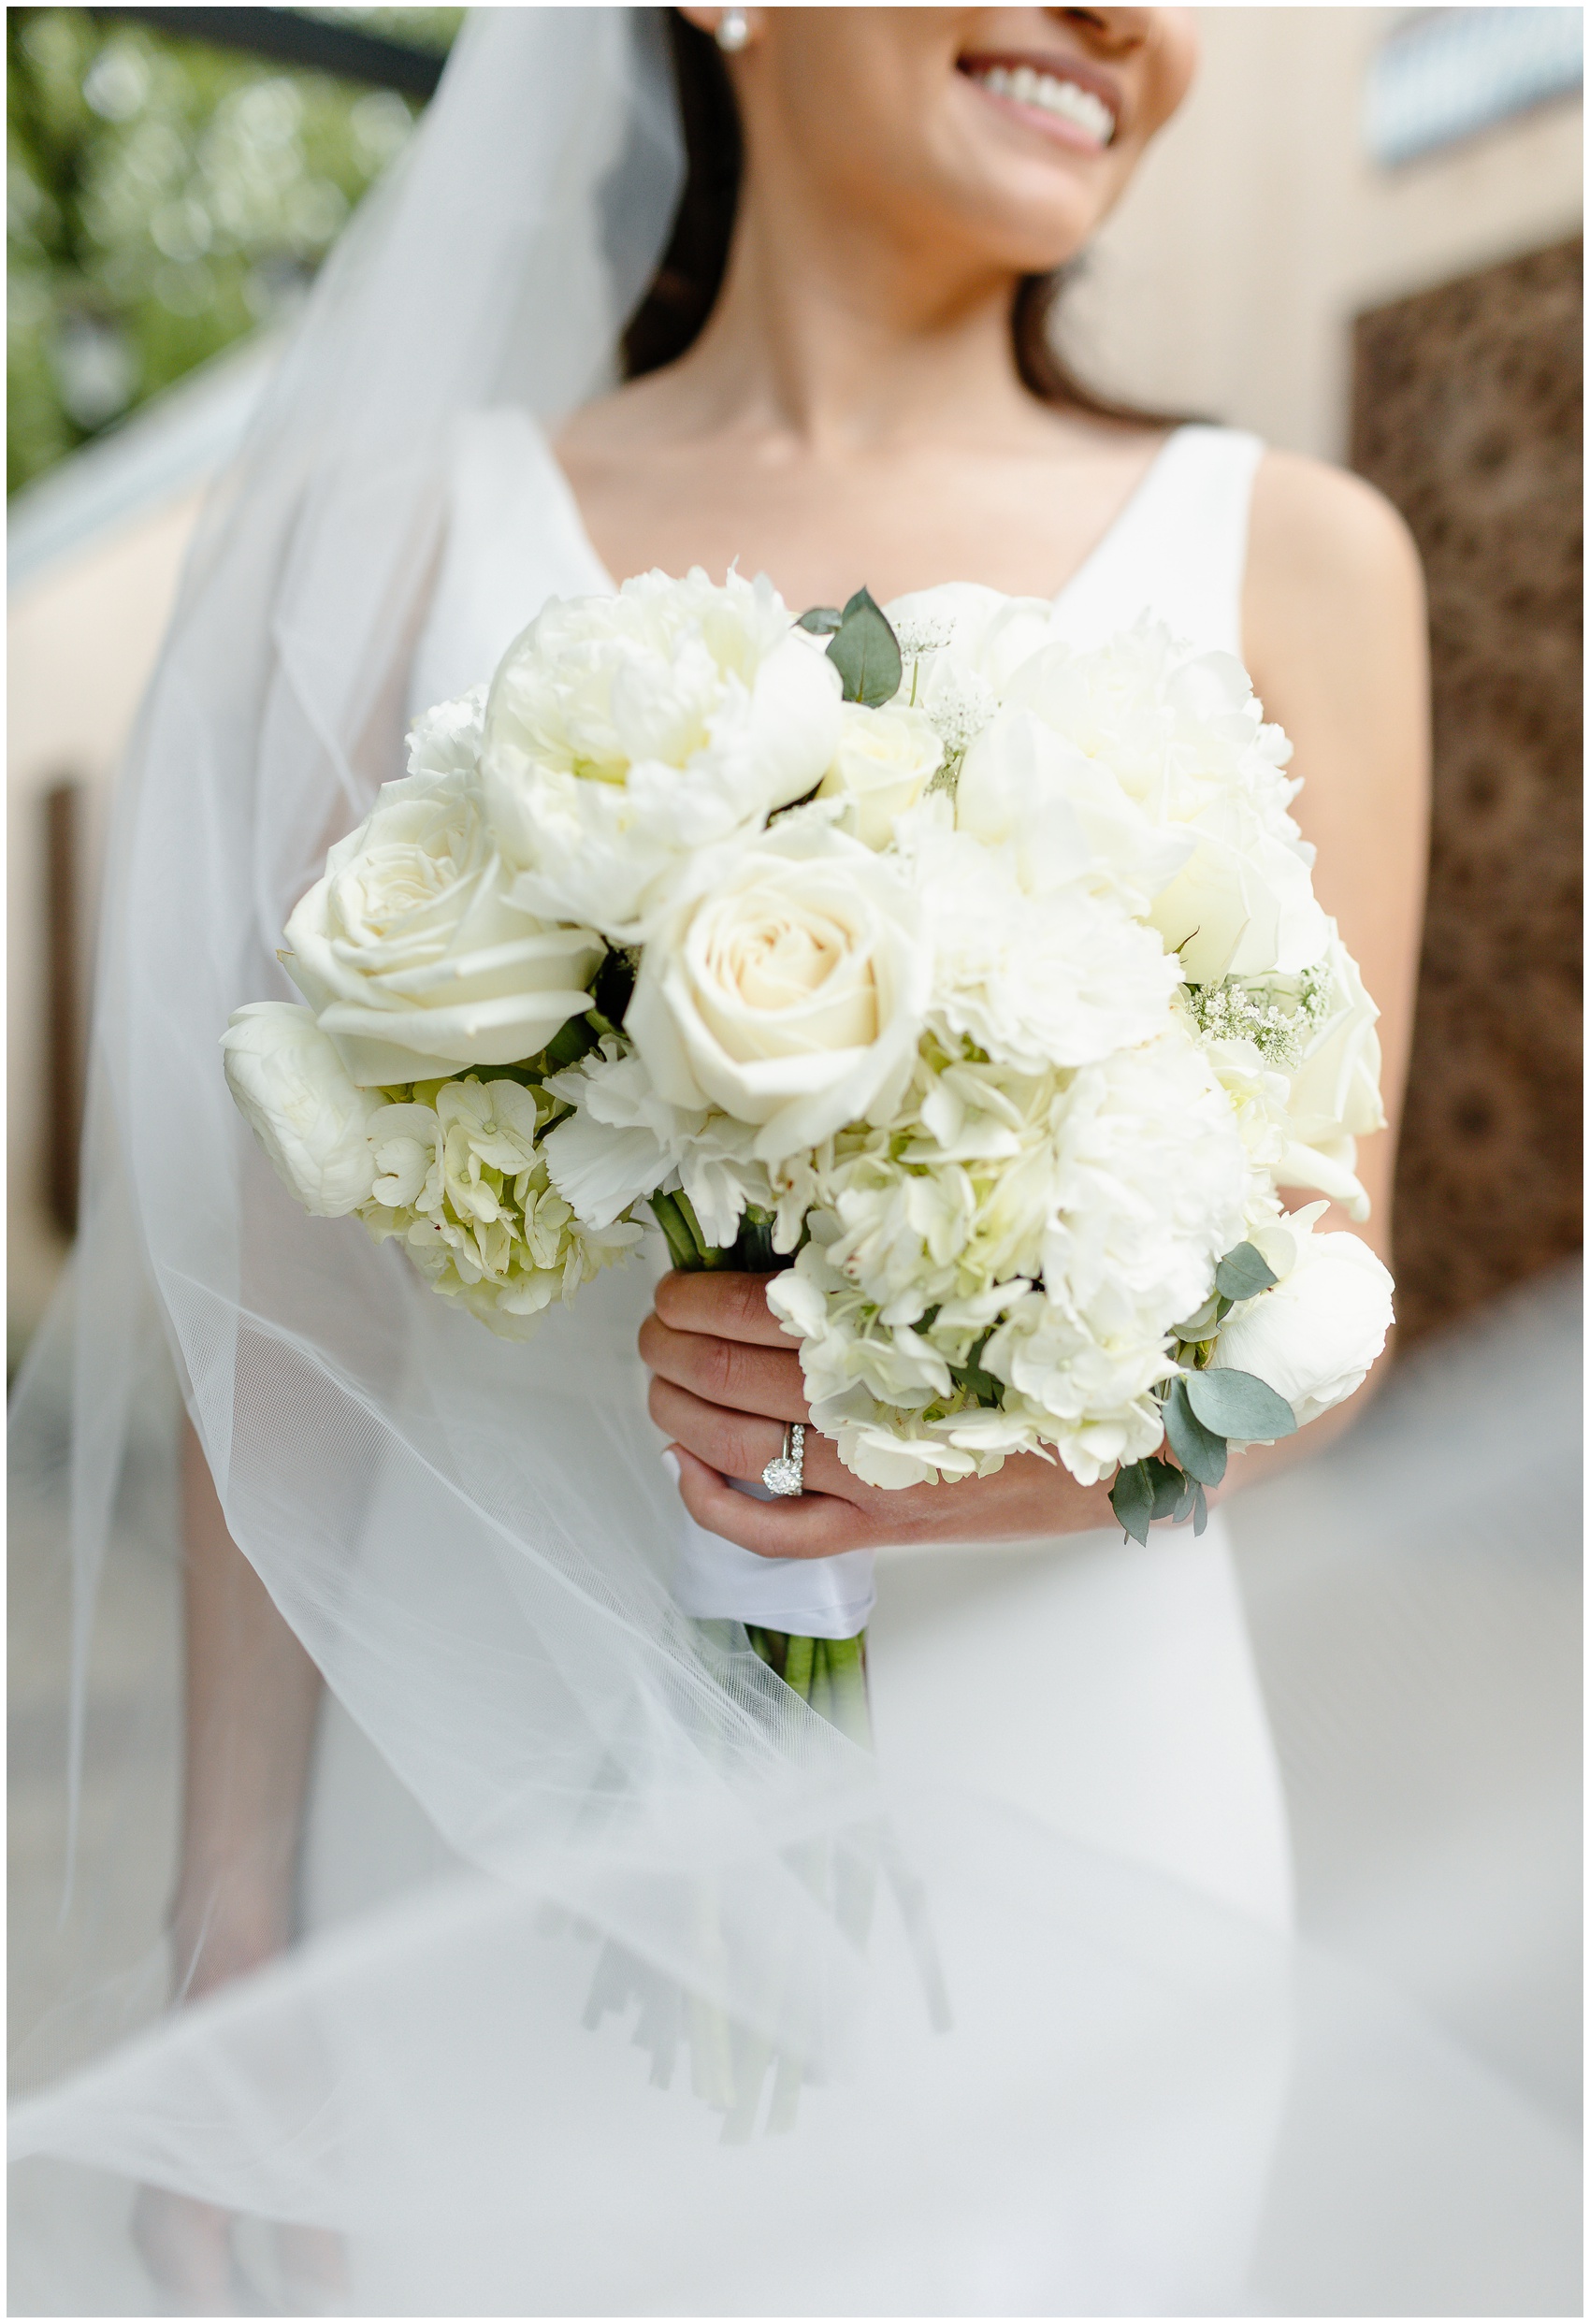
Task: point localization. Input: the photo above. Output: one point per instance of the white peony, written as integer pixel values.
(625, 733)
(882, 765)
(294, 1091)
(1314, 1335)
(410, 949)
(786, 987)
(1186, 742)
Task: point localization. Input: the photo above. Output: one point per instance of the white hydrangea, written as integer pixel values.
(1044, 1230)
(462, 1180)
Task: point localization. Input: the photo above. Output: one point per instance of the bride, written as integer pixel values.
(838, 369)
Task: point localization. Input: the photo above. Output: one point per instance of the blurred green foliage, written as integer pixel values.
(163, 198)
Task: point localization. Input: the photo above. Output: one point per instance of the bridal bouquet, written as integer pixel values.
(975, 982)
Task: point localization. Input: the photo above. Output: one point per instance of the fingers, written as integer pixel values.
(730, 1372)
(741, 1444)
(814, 1525)
(725, 1303)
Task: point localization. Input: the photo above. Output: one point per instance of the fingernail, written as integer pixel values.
(670, 1462)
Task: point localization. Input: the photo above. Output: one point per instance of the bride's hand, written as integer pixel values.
(726, 1380)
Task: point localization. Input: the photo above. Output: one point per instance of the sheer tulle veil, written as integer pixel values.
(961, 2066)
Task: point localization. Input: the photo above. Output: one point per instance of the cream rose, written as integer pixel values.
(294, 1091)
(623, 734)
(788, 986)
(1335, 1095)
(1313, 1337)
(884, 763)
(412, 953)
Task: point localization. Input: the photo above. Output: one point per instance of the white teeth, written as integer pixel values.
(1064, 98)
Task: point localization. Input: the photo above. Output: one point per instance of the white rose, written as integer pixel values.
(1243, 905)
(884, 763)
(625, 733)
(1313, 1337)
(411, 952)
(1335, 1095)
(295, 1093)
(788, 986)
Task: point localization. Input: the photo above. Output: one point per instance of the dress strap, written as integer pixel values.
(1179, 549)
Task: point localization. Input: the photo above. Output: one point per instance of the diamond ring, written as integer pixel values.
(785, 1475)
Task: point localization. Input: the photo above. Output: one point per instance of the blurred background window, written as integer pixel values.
(1446, 73)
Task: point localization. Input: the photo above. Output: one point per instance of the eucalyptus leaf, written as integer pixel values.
(1244, 1273)
(1200, 1323)
(822, 620)
(1190, 1498)
(1200, 1511)
(1201, 1450)
(1236, 1404)
(1131, 1498)
(866, 653)
(1169, 1486)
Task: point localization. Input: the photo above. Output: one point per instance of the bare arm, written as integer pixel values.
(252, 1697)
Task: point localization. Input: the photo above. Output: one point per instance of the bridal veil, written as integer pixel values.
(648, 1994)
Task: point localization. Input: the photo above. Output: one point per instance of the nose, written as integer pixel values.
(1115, 31)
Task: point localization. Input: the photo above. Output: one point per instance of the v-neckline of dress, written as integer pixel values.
(1125, 515)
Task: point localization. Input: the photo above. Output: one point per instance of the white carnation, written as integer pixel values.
(623, 1142)
(1062, 977)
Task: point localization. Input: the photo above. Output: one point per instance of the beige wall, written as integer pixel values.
(1225, 285)
(81, 640)
(1226, 282)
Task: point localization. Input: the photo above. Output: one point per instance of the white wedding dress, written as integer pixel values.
(1105, 1688)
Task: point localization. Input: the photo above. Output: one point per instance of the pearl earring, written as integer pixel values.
(733, 31)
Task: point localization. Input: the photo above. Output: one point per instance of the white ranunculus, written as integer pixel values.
(294, 1091)
(786, 987)
(410, 949)
(625, 733)
(882, 765)
(1314, 1335)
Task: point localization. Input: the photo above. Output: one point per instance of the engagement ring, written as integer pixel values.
(785, 1475)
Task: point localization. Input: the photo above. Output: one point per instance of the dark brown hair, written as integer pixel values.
(684, 288)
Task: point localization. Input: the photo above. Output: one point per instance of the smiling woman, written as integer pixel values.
(1022, 1980)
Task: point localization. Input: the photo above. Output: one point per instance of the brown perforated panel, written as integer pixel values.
(1466, 413)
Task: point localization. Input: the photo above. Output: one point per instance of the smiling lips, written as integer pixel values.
(1051, 92)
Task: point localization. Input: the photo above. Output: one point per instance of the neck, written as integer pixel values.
(836, 342)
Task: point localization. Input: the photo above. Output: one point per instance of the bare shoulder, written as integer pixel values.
(1322, 543)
